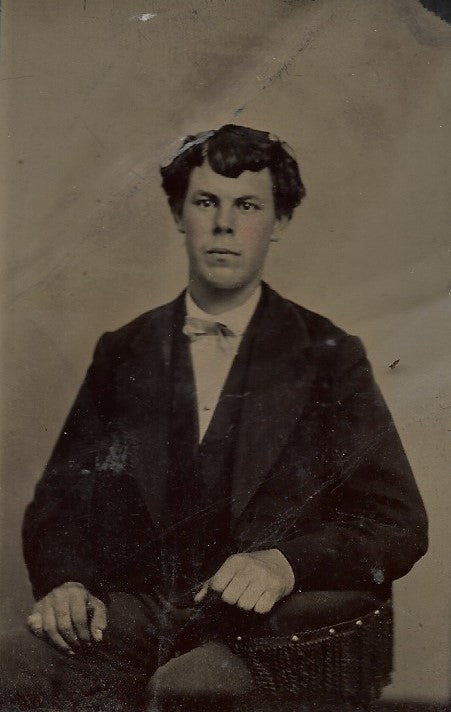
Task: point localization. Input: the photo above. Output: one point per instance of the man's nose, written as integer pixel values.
(224, 223)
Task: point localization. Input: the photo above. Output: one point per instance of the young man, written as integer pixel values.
(224, 450)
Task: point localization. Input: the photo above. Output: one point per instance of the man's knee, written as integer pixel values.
(208, 670)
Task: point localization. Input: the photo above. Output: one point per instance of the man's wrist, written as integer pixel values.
(285, 564)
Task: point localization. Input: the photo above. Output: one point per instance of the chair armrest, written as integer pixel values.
(316, 609)
(333, 646)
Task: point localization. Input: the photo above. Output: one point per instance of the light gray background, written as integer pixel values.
(97, 92)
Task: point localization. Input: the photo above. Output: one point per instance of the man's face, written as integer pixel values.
(228, 223)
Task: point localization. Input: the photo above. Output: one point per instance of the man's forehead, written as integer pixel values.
(204, 178)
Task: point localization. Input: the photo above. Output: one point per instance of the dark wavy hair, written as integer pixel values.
(231, 150)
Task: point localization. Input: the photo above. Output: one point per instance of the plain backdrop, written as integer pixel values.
(97, 92)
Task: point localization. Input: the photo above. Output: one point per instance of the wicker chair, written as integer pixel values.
(316, 650)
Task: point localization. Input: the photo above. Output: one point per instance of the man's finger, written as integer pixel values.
(265, 602)
(235, 589)
(50, 628)
(225, 574)
(200, 595)
(98, 620)
(79, 613)
(219, 581)
(249, 597)
(63, 617)
(34, 622)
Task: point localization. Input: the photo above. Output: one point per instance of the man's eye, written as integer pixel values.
(246, 206)
(204, 202)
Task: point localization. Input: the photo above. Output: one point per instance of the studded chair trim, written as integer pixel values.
(350, 661)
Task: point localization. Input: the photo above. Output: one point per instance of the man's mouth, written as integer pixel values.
(222, 251)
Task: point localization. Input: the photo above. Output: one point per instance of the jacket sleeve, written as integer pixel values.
(58, 527)
(374, 525)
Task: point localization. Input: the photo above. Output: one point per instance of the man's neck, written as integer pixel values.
(219, 301)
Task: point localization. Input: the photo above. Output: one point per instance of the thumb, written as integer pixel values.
(98, 619)
(34, 622)
(200, 595)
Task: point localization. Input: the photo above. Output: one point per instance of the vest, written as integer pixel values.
(198, 493)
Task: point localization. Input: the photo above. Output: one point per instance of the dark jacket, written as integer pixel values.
(319, 470)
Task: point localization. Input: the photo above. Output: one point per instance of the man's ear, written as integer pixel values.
(279, 227)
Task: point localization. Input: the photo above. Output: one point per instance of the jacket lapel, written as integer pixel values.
(183, 428)
(145, 388)
(276, 389)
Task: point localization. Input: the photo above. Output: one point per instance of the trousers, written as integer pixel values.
(146, 633)
(143, 633)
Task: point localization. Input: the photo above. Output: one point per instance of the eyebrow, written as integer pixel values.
(199, 191)
(207, 194)
(250, 197)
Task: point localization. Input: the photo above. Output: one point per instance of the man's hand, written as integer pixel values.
(254, 581)
(68, 616)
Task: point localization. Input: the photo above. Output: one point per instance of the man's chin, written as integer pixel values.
(225, 285)
(224, 282)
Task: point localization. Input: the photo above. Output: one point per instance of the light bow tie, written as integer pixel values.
(197, 328)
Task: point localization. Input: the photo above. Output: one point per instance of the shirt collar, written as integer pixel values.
(236, 319)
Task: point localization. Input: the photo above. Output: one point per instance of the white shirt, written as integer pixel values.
(211, 360)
